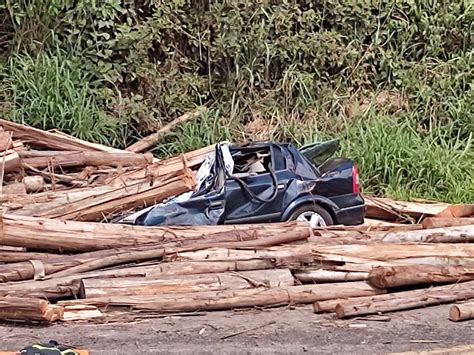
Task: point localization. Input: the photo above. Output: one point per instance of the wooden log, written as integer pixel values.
(161, 168)
(440, 222)
(149, 141)
(33, 183)
(229, 299)
(405, 300)
(29, 309)
(324, 276)
(10, 161)
(457, 211)
(343, 253)
(16, 189)
(65, 265)
(17, 256)
(6, 141)
(386, 208)
(458, 234)
(100, 206)
(102, 259)
(84, 158)
(42, 289)
(462, 311)
(404, 275)
(69, 286)
(186, 283)
(51, 140)
(48, 234)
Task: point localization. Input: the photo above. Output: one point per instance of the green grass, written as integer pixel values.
(50, 91)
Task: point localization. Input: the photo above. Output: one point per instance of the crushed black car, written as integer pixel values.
(266, 182)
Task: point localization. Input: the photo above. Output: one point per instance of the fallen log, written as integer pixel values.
(29, 309)
(404, 275)
(9, 161)
(17, 256)
(48, 234)
(104, 259)
(84, 312)
(229, 299)
(6, 141)
(149, 141)
(440, 222)
(324, 276)
(458, 234)
(42, 289)
(405, 300)
(161, 168)
(138, 286)
(65, 265)
(101, 206)
(386, 208)
(372, 254)
(69, 286)
(83, 158)
(462, 311)
(51, 140)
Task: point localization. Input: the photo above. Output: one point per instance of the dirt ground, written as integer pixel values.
(279, 330)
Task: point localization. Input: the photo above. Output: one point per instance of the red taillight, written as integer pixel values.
(355, 180)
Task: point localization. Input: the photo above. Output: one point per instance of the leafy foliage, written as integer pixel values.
(367, 70)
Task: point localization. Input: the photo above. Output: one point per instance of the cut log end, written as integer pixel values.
(455, 313)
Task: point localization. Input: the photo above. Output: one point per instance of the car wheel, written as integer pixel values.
(315, 215)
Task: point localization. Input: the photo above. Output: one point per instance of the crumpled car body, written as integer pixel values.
(266, 182)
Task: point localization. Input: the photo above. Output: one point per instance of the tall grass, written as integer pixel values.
(50, 91)
(397, 160)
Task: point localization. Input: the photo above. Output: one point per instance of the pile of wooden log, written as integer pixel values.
(58, 263)
(51, 174)
(89, 270)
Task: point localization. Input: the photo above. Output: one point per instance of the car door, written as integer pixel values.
(257, 198)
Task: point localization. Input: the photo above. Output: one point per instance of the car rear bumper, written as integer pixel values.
(351, 211)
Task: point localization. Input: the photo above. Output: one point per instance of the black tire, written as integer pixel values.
(312, 208)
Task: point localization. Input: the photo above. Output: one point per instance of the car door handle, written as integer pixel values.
(281, 186)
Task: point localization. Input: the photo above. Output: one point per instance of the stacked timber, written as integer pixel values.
(101, 269)
(52, 174)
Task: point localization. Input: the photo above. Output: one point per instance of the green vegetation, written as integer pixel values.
(392, 79)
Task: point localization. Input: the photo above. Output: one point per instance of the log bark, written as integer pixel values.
(386, 208)
(371, 254)
(48, 234)
(66, 265)
(149, 141)
(404, 275)
(440, 222)
(104, 259)
(138, 286)
(6, 141)
(405, 300)
(325, 276)
(84, 158)
(458, 234)
(42, 289)
(68, 286)
(29, 309)
(16, 189)
(101, 206)
(9, 161)
(51, 140)
(161, 168)
(229, 299)
(462, 311)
